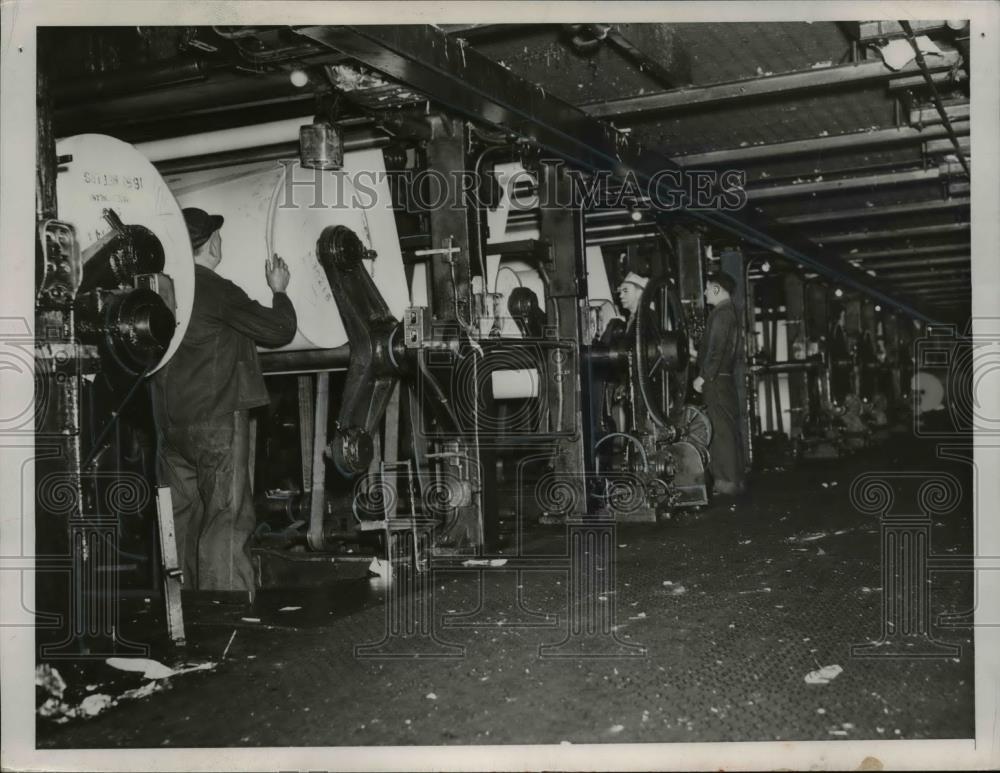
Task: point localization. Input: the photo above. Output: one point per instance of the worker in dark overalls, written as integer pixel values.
(717, 358)
(201, 400)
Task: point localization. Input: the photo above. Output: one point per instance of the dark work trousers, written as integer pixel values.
(206, 467)
(726, 448)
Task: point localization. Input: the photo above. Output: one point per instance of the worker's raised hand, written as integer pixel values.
(699, 384)
(277, 274)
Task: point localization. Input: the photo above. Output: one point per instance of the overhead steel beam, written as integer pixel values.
(900, 233)
(476, 31)
(845, 184)
(906, 273)
(945, 289)
(918, 81)
(916, 208)
(927, 116)
(918, 262)
(811, 80)
(647, 64)
(462, 80)
(908, 252)
(870, 31)
(935, 96)
(910, 284)
(945, 146)
(863, 139)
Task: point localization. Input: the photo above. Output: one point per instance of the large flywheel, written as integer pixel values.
(660, 352)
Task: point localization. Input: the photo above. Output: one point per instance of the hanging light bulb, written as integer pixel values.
(838, 292)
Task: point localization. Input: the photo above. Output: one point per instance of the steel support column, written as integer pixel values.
(731, 261)
(890, 334)
(868, 383)
(451, 301)
(852, 326)
(569, 383)
(816, 314)
(798, 394)
(690, 279)
(450, 272)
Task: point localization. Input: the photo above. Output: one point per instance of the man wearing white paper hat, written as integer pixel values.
(630, 292)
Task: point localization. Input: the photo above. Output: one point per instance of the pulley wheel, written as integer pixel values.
(660, 354)
(693, 424)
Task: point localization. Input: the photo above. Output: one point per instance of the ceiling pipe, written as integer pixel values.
(622, 238)
(361, 140)
(172, 72)
(238, 138)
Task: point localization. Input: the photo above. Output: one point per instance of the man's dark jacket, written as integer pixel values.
(215, 370)
(720, 343)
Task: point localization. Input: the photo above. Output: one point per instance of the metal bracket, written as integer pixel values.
(371, 375)
(61, 268)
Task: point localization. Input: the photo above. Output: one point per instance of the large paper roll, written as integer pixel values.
(514, 384)
(106, 173)
(280, 207)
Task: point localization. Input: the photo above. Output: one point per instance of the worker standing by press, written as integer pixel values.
(201, 403)
(717, 359)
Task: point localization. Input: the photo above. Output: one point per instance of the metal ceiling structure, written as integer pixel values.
(854, 170)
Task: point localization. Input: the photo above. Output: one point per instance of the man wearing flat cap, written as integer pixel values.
(201, 399)
(717, 357)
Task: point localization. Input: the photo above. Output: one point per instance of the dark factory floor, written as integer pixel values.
(720, 620)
